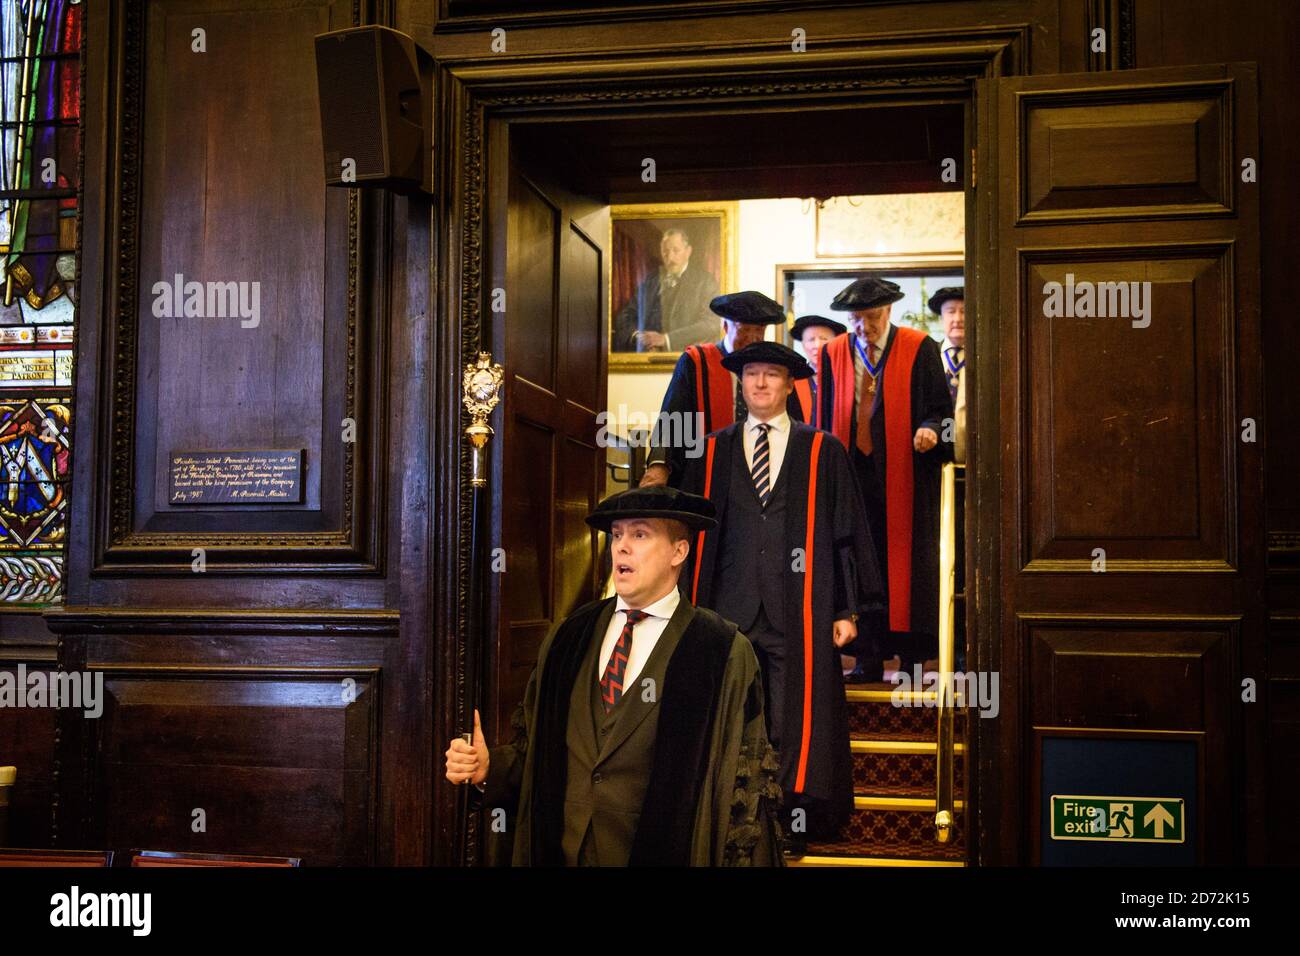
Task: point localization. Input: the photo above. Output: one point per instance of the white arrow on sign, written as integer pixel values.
(1158, 818)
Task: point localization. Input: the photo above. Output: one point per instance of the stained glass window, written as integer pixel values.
(40, 135)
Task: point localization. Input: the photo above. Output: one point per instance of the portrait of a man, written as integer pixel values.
(666, 270)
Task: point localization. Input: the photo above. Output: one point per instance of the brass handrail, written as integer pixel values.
(944, 805)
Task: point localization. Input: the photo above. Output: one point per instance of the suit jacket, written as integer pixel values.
(828, 571)
(751, 547)
(687, 321)
(611, 758)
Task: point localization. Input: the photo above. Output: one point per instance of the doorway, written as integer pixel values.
(788, 186)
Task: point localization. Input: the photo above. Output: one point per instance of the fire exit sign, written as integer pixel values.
(1120, 819)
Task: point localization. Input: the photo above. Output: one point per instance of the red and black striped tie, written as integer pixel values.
(611, 685)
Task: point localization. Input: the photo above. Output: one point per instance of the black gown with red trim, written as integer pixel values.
(930, 407)
(710, 391)
(837, 575)
(805, 390)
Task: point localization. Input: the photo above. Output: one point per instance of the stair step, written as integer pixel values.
(824, 860)
(878, 746)
(900, 767)
(878, 695)
(894, 828)
(880, 802)
(880, 720)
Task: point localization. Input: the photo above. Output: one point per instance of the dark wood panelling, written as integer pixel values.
(553, 348)
(1129, 153)
(532, 293)
(1132, 674)
(207, 182)
(28, 736)
(212, 196)
(1128, 438)
(528, 499)
(1280, 698)
(584, 327)
(839, 152)
(1267, 34)
(1102, 432)
(344, 584)
(279, 761)
(242, 714)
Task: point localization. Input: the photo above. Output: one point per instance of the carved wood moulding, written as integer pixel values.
(346, 535)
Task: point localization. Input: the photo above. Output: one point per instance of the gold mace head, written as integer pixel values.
(482, 391)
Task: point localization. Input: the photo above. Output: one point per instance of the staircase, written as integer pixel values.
(894, 786)
(894, 747)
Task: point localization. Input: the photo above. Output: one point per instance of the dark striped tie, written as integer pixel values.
(611, 685)
(761, 469)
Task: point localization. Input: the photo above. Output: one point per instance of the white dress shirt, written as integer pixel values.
(959, 403)
(778, 436)
(645, 636)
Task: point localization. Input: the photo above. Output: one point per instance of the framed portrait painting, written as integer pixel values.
(667, 262)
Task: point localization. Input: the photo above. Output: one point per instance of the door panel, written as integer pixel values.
(1119, 426)
(550, 339)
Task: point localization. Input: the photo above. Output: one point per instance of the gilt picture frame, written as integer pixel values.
(647, 296)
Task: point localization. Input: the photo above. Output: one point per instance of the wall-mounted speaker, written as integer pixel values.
(376, 104)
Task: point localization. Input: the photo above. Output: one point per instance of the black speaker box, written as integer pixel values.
(376, 104)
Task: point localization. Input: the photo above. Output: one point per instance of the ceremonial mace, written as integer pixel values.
(482, 392)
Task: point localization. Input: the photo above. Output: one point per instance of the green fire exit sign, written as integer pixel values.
(1130, 819)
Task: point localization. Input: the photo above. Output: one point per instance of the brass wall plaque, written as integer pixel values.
(236, 477)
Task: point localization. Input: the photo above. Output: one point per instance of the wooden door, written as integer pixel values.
(1120, 438)
(552, 263)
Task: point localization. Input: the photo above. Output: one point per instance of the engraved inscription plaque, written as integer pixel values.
(236, 477)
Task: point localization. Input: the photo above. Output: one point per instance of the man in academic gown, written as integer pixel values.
(640, 739)
(792, 559)
(812, 332)
(884, 394)
(949, 304)
(701, 385)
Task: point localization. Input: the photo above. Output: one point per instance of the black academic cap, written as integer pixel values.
(751, 307)
(866, 293)
(774, 353)
(945, 294)
(655, 501)
(806, 322)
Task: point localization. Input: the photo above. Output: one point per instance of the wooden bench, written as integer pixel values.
(10, 856)
(165, 858)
